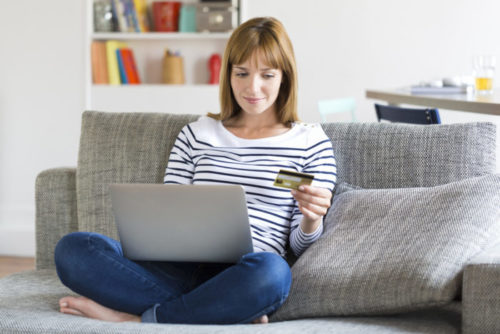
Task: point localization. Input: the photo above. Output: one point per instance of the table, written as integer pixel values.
(489, 104)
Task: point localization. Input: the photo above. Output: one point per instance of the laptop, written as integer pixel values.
(192, 223)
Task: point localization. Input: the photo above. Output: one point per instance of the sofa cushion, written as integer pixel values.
(120, 148)
(29, 304)
(394, 250)
(384, 155)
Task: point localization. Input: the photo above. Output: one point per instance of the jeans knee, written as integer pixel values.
(68, 253)
(67, 245)
(271, 274)
(75, 254)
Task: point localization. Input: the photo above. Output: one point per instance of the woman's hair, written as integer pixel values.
(267, 35)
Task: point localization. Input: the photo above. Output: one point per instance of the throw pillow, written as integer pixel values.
(394, 250)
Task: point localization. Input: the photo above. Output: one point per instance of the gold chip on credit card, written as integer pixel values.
(291, 179)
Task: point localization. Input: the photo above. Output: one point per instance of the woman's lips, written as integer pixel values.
(253, 100)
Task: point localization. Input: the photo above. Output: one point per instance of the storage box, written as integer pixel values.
(216, 16)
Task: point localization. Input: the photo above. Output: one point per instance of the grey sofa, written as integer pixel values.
(134, 147)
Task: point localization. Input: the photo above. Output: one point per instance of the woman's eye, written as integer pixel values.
(241, 74)
(268, 76)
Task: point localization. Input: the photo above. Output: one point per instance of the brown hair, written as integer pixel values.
(265, 34)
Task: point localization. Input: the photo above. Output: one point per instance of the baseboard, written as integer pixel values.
(17, 232)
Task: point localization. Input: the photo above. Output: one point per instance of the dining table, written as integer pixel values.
(469, 102)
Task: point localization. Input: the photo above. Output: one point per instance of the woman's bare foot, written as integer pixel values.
(262, 320)
(85, 307)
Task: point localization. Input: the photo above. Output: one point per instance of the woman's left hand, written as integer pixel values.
(313, 203)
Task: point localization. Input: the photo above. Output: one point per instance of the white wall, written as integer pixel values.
(342, 48)
(41, 99)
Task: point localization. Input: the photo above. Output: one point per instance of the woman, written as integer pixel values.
(255, 135)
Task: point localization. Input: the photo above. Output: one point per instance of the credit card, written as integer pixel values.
(291, 179)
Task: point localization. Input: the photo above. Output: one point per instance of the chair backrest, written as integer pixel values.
(333, 106)
(407, 115)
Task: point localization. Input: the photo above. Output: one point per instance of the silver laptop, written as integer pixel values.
(194, 223)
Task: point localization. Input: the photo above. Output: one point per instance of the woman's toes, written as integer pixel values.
(66, 302)
(261, 320)
(71, 311)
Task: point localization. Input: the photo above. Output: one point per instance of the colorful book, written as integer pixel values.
(141, 11)
(119, 14)
(133, 14)
(129, 66)
(99, 63)
(113, 69)
(121, 68)
(128, 13)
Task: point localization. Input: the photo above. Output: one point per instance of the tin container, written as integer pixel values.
(216, 17)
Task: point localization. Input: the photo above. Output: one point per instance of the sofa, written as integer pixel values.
(409, 244)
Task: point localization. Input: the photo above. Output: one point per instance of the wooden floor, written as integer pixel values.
(12, 264)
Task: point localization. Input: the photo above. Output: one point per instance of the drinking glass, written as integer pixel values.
(484, 70)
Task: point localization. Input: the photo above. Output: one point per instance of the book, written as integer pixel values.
(133, 14)
(99, 63)
(438, 90)
(129, 13)
(141, 12)
(129, 66)
(121, 68)
(119, 14)
(113, 69)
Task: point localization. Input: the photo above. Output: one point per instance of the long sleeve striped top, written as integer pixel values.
(205, 152)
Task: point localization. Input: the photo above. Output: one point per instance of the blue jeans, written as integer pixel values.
(93, 266)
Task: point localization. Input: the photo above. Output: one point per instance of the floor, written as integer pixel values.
(12, 264)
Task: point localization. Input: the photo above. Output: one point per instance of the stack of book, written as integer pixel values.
(448, 85)
(113, 63)
(439, 90)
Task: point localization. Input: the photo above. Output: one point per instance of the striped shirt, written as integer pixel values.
(205, 152)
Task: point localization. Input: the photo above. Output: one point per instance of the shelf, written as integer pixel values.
(158, 86)
(158, 35)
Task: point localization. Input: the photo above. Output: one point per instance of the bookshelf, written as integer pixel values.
(196, 96)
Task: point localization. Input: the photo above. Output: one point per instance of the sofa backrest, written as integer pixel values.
(120, 148)
(396, 155)
(134, 148)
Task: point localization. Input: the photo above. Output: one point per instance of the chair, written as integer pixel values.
(407, 115)
(334, 106)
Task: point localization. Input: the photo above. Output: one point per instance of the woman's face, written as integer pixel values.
(255, 85)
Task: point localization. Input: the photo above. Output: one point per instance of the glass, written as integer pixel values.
(484, 70)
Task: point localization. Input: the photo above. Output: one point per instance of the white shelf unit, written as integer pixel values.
(196, 96)
(159, 36)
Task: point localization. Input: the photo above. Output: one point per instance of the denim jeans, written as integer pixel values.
(93, 266)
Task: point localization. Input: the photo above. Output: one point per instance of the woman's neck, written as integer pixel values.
(250, 126)
(266, 119)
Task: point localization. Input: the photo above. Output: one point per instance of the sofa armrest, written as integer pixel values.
(56, 213)
(481, 293)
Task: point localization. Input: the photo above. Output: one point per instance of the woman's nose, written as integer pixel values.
(254, 84)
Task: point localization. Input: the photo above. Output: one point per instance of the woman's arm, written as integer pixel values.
(312, 202)
(180, 168)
